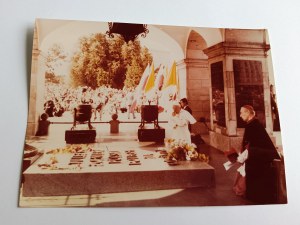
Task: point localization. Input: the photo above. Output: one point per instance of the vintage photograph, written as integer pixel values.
(145, 115)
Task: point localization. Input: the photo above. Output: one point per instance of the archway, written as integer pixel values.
(164, 48)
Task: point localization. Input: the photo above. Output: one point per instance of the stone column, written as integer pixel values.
(32, 112)
(181, 70)
(229, 94)
(37, 80)
(267, 97)
(197, 89)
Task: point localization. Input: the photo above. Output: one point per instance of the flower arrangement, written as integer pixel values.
(181, 151)
(58, 159)
(71, 149)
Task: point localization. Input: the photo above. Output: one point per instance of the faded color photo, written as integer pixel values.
(127, 115)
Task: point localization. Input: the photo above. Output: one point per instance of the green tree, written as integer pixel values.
(116, 62)
(137, 59)
(146, 57)
(105, 61)
(133, 74)
(51, 78)
(54, 59)
(89, 63)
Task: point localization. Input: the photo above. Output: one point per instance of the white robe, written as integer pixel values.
(179, 126)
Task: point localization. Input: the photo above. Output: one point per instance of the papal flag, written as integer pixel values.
(171, 84)
(143, 80)
(151, 80)
(159, 80)
(172, 79)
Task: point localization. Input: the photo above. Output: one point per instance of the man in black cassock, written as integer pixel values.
(261, 185)
(185, 105)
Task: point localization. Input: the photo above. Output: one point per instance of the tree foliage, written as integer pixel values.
(110, 62)
(137, 59)
(51, 78)
(54, 59)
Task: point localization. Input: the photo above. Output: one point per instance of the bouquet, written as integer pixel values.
(180, 150)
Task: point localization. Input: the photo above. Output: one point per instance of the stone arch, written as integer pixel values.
(195, 46)
(198, 82)
(164, 46)
(49, 32)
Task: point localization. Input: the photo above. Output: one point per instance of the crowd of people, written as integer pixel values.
(104, 100)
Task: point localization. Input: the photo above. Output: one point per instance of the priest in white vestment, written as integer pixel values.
(178, 123)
